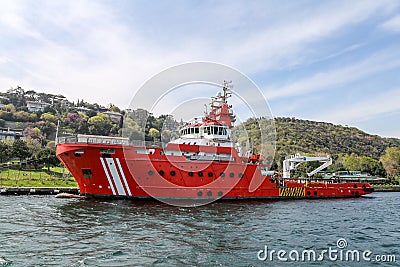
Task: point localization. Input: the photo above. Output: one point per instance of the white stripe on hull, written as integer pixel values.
(123, 176)
(115, 176)
(107, 175)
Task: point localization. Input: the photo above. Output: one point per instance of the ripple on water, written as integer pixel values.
(42, 230)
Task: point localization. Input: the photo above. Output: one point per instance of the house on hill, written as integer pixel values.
(10, 134)
(84, 110)
(35, 106)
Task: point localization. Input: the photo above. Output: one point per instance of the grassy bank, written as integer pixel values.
(387, 188)
(55, 177)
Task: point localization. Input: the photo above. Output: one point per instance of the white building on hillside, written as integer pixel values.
(35, 106)
(10, 134)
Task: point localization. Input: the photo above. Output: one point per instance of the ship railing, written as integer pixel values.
(211, 158)
(146, 143)
(110, 140)
(315, 181)
(93, 139)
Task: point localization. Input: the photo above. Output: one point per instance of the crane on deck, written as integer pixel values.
(293, 161)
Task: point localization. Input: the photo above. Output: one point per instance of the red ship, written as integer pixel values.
(202, 164)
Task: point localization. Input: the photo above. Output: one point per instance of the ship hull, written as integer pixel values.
(121, 172)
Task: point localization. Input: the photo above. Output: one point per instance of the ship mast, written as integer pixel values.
(221, 111)
(227, 91)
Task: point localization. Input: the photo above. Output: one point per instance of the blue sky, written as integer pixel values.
(335, 61)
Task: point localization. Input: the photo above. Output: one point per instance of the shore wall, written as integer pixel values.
(37, 190)
(387, 189)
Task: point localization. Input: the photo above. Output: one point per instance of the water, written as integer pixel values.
(45, 231)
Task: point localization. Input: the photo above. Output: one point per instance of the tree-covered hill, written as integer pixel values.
(303, 136)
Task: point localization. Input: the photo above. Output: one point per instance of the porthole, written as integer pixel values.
(172, 173)
(161, 172)
(210, 174)
(199, 193)
(190, 173)
(241, 175)
(220, 193)
(209, 193)
(231, 175)
(200, 174)
(222, 174)
(308, 193)
(150, 172)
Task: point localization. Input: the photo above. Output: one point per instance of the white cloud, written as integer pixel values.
(104, 57)
(285, 44)
(393, 24)
(84, 50)
(376, 63)
(365, 109)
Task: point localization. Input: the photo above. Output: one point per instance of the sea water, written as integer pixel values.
(47, 231)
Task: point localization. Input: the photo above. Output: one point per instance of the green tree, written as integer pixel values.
(351, 163)
(82, 127)
(114, 108)
(47, 157)
(5, 151)
(33, 145)
(8, 116)
(391, 161)
(24, 116)
(371, 166)
(364, 164)
(48, 117)
(100, 124)
(16, 96)
(9, 108)
(132, 130)
(20, 149)
(154, 133)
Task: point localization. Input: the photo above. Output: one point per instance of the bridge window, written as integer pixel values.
(78, 153)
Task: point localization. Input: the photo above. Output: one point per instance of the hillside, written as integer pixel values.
(305, 136)
(293, 135)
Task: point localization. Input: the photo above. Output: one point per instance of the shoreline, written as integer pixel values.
(16, 190)
(387, 189)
